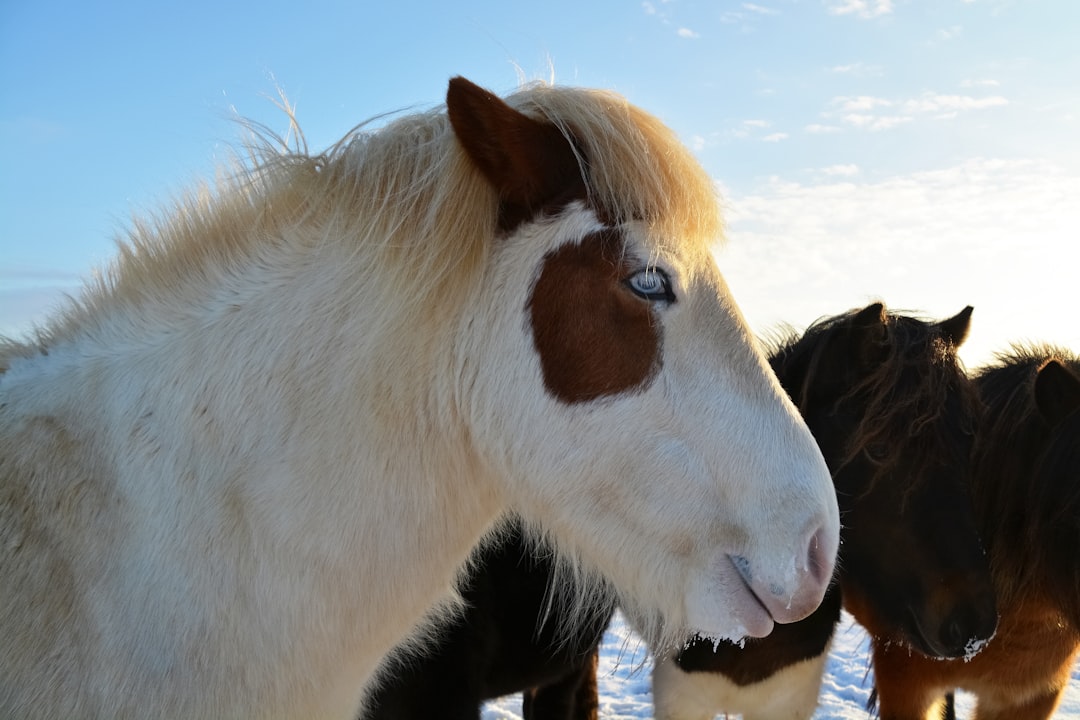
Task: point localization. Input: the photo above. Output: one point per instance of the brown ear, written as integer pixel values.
(1057, 391)
(955, 329)
(870, 317)
(869, 333)
(530, 163)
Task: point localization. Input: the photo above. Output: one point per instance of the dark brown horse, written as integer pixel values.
(511, 637)
(895, 417)
(1026, 488)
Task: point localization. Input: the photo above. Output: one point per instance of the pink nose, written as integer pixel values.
(794, 600)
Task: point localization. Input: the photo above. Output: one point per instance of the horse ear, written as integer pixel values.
(955, 329)
(870, 317)
(869, 334)
(1057, 391)
(529, 162)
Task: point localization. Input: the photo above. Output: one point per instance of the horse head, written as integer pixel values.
(611, 380)
(895, 416)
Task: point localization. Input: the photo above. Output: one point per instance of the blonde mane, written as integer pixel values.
(405, 194)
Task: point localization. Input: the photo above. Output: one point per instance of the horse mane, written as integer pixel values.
(404, 194)
(1014, 503)
(900, 397)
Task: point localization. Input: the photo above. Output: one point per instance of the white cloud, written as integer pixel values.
(818, 129)
(861, 103)
(650, 8)
(861, 8)
(858, 69)
(756, 123)
(841, 170)
(687, 33)
(775, 137)
(875, 122)
(986, 82)
(930, 102)
(861, 111)
(950, 33)
(991, 233)
(759, 9)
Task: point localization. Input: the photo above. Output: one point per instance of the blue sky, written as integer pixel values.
(920, 151)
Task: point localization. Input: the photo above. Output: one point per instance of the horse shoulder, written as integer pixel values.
(50, 493)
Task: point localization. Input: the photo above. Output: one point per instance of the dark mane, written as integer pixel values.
(1024, 507)
(901, 399)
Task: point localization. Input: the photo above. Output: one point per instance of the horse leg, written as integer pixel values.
(918, 707)
(907, 687)
(1040, 707)
(572, 697)
(681, 695)
(789, 694)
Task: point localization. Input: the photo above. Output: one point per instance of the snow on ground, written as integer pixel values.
(625, 693)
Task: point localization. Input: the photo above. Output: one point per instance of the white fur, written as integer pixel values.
(230, 498)
(791, 694)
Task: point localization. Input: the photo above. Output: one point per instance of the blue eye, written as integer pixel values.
(651, 284)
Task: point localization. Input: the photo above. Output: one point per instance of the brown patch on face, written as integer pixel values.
(595, 337)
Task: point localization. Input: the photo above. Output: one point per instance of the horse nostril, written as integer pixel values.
(967, 629)
(819, 564)
(953, 635)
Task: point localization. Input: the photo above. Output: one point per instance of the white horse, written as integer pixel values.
(252, 458)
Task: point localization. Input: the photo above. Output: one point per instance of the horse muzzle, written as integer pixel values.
(959, 633)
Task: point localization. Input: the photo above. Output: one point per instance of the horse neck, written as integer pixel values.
(291, 426)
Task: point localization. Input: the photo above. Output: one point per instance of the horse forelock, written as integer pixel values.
(908, 398)
(634, 166)
(904, 394)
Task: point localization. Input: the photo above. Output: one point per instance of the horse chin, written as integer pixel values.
(917, 638)
(721, 606)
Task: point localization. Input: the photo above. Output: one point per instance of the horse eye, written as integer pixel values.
(651, 284)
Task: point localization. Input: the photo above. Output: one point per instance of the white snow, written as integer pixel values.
(625, 694)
